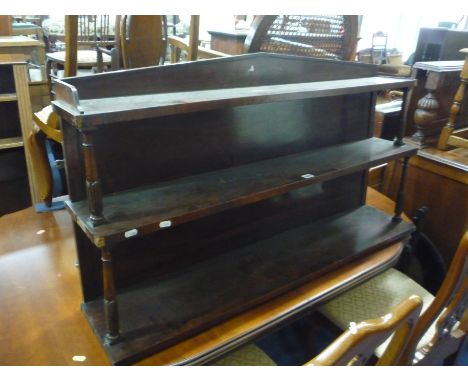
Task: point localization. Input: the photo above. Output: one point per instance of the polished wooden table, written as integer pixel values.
(40, 318)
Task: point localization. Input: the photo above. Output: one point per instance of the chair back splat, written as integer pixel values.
(356, 345)
(453, 297)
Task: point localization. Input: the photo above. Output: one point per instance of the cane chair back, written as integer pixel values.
(322, 36)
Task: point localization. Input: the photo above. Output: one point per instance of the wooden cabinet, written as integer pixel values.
(438, 180)
(440, 44)
(199, 190)
(16, 181)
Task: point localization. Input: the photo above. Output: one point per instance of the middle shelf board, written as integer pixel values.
(158, 312)
(144, 210)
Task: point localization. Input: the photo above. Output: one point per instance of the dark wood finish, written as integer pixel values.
(167, 309)
(237, 161)
(117, 109)
(41, 319)
(431, 100)
(197, 196)
(440, 44)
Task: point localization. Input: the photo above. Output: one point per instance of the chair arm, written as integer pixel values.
(114, 55)
(178, 42)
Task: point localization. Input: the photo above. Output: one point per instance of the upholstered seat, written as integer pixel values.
(250, 355)
(355, 345)
(441, 330)
(355, 306)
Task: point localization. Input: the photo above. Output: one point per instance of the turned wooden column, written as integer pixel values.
(93, 184)
(427, 112)
(110, 300)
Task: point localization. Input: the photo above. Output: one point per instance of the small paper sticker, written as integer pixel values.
(131, 233)
(165, 224)
(307, 176)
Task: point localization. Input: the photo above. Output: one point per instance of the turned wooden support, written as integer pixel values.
(403, 118)
(456, 106)
(93, 184)
(424, 117)
(110, 301)
(401, 192)
(427, 112)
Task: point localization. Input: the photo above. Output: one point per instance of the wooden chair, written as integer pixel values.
(441, 330)
(143, 40)
(356, 345)
(46, 125)
(83, 36)
(448, 136)
(5, 25)
(190, 44)
(333, 37)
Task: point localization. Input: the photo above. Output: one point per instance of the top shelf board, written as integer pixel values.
(118, 109)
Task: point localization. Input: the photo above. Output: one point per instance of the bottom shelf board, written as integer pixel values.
(159, 313)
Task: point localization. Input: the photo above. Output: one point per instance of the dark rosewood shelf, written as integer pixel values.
(95, 111)
(155, 314)
(144, 210)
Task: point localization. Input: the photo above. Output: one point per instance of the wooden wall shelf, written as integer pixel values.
(199, 190)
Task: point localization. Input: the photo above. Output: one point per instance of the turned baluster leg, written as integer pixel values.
(110, 301)
(424, 117)
(401, 191)
(93, 185)
(427, 113)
